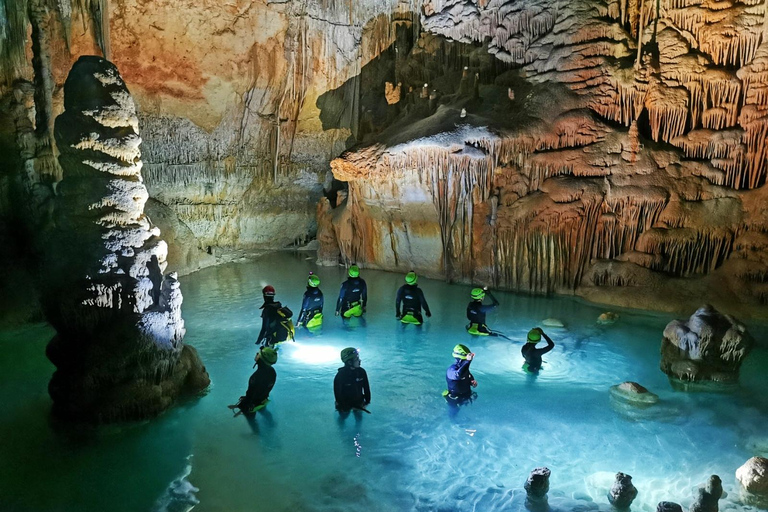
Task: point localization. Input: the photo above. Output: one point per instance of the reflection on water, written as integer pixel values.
(298, 454)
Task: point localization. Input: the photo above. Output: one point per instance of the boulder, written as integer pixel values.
(552, 323)
(607, 318)
(708, 496)
(622, 492)
(634, 394)
(537, 485)
(668, 506)
(753, 477)
(709, 348)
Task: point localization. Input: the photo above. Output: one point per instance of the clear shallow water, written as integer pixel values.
(409, 454)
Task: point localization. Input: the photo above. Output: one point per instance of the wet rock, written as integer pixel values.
(622, 493)
(552, 322)
(708, 496)
(119, 348)
(753, 477)
(709, 349)
(668, 506)
(633, 394)
(607, 318)
(537, 485)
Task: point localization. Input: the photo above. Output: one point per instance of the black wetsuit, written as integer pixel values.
(412, 298)
(351, 389)
(311, 305)
(269, 321)
(476, 312)
(459, 379)
(533, 355)
(259, 385)
(352, 290)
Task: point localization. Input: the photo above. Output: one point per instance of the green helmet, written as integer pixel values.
(353, 271)
(534, 336)
(460, 351)
(478, 293)
(348, 354)
(269, 355)
(411, 277)
(313, 281)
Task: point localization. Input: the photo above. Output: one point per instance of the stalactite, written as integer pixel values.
(13, 39)
(667, 111)
(687, 251)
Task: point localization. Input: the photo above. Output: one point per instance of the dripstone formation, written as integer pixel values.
(709, 348)
(622, 492)
(119, 350)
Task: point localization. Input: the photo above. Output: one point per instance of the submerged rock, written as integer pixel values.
(709, 349)
(753, 477)
(633, 394)
(668, 506)
(553, 323)
(119, 348)
(622, 493)
(607, 318)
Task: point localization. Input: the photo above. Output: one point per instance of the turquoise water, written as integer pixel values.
(409, 454)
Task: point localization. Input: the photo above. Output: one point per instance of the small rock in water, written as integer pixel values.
(537, 484)
(607, 318)
(552, 322)
(668, 506)
(708, 496)
(633, 393)
(622, 493)
(753, 477)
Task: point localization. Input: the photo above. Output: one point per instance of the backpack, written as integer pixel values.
(284, 328)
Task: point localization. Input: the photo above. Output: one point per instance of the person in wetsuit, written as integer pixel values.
(260, 384)
(476, 311)
(460, 380)
(353, 296)
(532, 354)
(311, 314)
(350, 386)
(412, 299)
(269, 317)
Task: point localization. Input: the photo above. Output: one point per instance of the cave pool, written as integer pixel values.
(409, 454)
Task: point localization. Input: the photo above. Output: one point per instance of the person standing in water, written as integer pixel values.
(269, 316)
(532, 354)
(350, 386)
(260, 384)
(412, 299)
(459, 378)
(476, 312)
(311, 314)
(353, 296)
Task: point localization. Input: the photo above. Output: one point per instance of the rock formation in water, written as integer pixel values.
(708, 348)
(119, 350)
(708, 496)
(622, 492)
(668, 506)
(634, 394)
(537, 485)
(753, 477)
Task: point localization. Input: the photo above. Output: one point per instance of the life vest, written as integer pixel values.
(315, 321)
(355, 309)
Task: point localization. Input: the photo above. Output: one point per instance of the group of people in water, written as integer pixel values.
(351, 388)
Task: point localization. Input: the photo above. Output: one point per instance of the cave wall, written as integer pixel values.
(581, 165)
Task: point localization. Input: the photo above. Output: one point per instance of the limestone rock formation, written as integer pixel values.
(753, 477)
(119, 350)
(709, 347)
(633, 394)
(708, 496)
(537, 485)
(622, 492)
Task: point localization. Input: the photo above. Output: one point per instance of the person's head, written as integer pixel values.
(477, 294)
(350, 356)
(267, 355)
(461, 351)
(313, 281)
(411, 277)
(268, 292)
(354, 271)
(534, 336)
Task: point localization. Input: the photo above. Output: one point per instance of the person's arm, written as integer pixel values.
(337, 390)
(322, 300)
(264, 326)
(424, 302)
(493, 299)
(304, 308)
(366, 388)
(550, 344)
(341, 296)
(398, 301)
(365, 294)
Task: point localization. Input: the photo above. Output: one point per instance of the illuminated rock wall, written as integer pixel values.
(582, 166)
